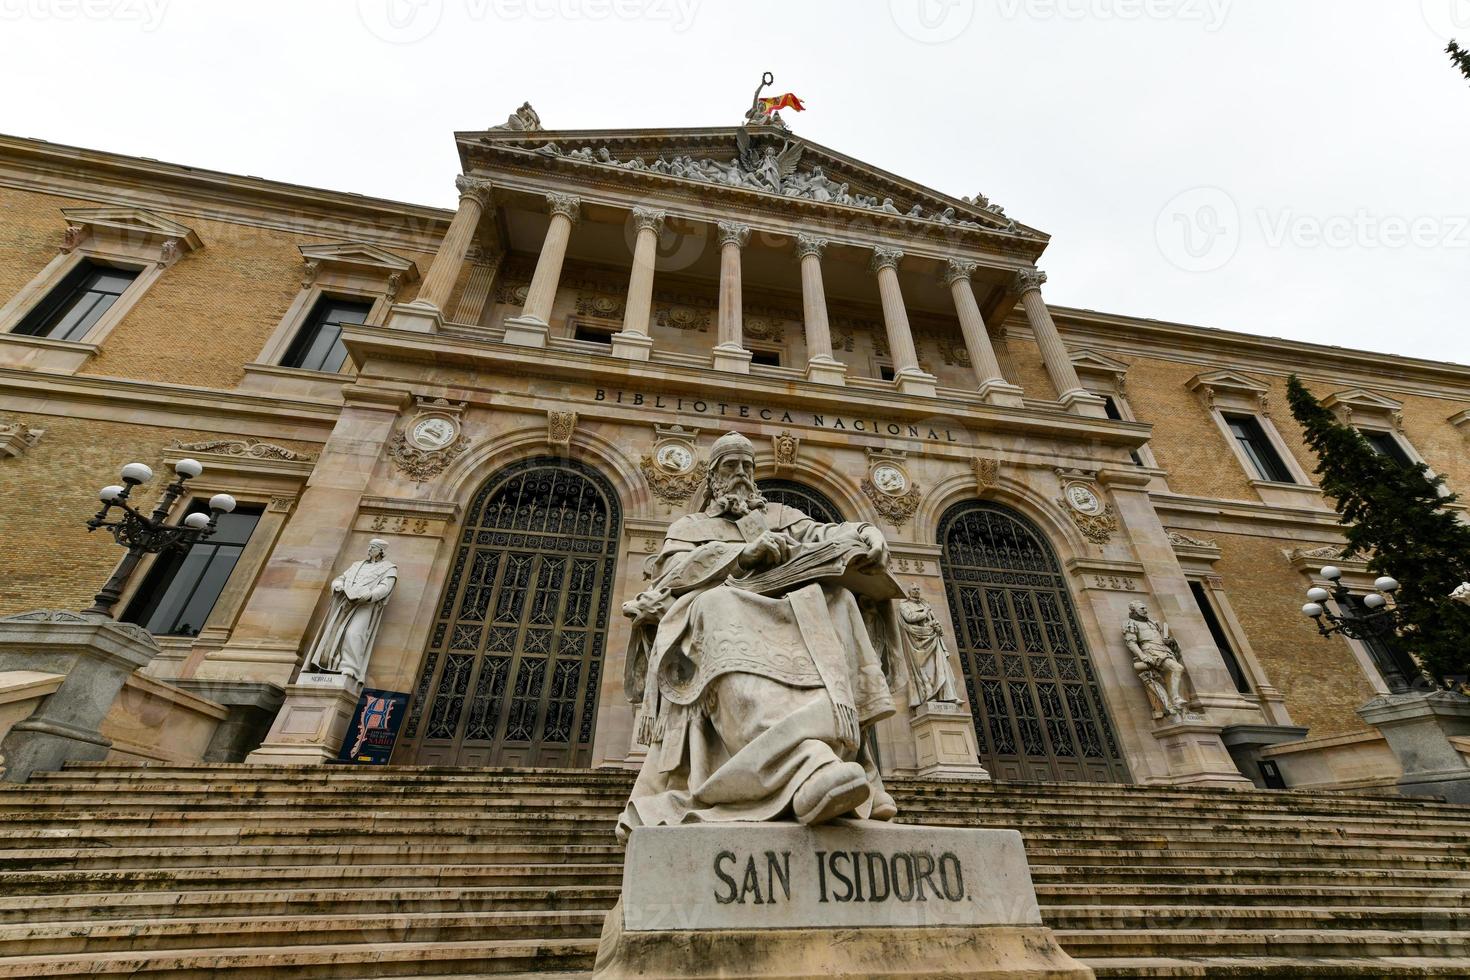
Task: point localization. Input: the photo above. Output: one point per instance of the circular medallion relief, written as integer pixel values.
(674, 457)
(433, 432)
(890, 479)
(1083, 500)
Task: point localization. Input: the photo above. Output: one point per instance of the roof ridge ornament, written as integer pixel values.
(523, 120)
(767, 112)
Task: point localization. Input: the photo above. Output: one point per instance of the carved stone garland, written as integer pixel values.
(673, 488)
(896, 509)
(423, 464)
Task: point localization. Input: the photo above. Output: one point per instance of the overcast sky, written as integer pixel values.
(1298, 168)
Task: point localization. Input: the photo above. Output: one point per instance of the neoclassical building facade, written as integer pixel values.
(517, 396)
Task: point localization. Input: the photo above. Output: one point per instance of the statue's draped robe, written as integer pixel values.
(930, 677)
(744, 696)
(346, 639)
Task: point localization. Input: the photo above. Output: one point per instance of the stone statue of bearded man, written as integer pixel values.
(761, 654)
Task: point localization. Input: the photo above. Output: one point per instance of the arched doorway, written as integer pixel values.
(511, 673)
(813, 503)
(1033, 694)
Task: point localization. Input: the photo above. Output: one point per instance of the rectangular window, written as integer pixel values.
(1222, 640)
(1110, 408)
(1387, 444)
(1257, 447)
(770, 358)
(885, 372)
(592, 334)
(318, 345)
(183, 586)
(75, 305)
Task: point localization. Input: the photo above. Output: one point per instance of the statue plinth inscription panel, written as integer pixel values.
(849, 873)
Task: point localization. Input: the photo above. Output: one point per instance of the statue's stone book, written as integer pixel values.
(835, 561)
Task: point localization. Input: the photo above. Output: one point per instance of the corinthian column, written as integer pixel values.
(993, 386)
(634, 342)
(1070, 392)
(907, 376)
(730, 353)
(821, 366)
(426, 313)
(532, 326)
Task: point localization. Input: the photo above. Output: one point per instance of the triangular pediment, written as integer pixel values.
(1362, 398)
(1091, 361)
(1233, 381)
(134, 224)
(760, 160)
(361, 255)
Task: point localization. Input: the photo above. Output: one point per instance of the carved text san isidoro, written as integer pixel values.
(736, 410)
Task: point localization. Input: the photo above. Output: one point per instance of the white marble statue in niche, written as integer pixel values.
(930, 676)
(345, 642)
(757, 661)
(1157, 660)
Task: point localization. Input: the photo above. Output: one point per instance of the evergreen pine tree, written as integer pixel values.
(1395, 515)
(1459, 57)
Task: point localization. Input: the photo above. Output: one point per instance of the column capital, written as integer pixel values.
(1029, 279)
(477, 188)
(955, 270)
(651, 218)
(886, 258)
(569, 205)
(810, 245)
(733, 233)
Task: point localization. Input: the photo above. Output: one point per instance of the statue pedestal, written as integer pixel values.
(944, 742)
(312, 722)
(1420, 730)
(94, 656)
(854, 898)
(1197, 756)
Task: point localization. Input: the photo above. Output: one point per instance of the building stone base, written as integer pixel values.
(526, 331)
(826, 371)
(912, 381)
(312, 722)
(252, 708)
(944, 743)
(1197, 757)
(416, 318)
(1419, 729)
(1002, 393)
(748, 900)
(95, 656)
(732, 358)
(632, 346)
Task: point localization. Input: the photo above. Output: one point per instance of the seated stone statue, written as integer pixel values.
(1156, 659)
(756, 667)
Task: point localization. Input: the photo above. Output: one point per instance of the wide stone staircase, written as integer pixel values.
(244, 872)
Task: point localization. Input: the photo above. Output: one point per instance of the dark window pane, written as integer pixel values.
(182, 587)
(1222, 640)
(1387, 444)
(1385, 650)
(885, 372)
(318, 347)
(1110, 408)
(770, 358)
(592, 334)
(1258, 449)
(75, 305)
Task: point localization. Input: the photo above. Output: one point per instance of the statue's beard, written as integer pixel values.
(735, 496)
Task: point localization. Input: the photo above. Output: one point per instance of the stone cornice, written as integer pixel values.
(167, 406)
(174, 189)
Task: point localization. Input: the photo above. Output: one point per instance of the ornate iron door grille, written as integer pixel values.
(511, 673)
(1034, 698)
(812, 503)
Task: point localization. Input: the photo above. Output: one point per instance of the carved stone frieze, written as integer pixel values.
(559, 428)
(1181, 540)
(71, 238)
(601, 304)
(682, 318)
(247, 448)
(673, 488)
(423, 464)
(785, 447)
(987, 473)
(896, 509)
(1097, 528)
(75, 618)
(17, 438)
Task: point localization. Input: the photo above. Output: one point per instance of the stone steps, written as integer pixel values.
(240, 872)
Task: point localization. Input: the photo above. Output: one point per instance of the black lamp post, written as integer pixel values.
(1372, 619)
(149, 535)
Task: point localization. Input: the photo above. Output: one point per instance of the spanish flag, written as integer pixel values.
(787, 101)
